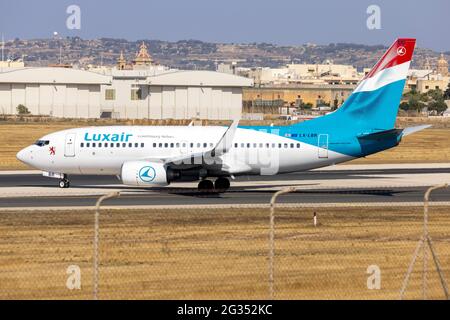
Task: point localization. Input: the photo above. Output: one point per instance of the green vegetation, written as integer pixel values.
(447, 93)
(433, 101)
(306, 106)
(21, 109)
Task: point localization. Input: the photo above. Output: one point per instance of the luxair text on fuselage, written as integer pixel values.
(107, 137)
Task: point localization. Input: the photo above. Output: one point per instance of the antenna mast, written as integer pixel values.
(3, 48)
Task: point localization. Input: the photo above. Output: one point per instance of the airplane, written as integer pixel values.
(155, 156)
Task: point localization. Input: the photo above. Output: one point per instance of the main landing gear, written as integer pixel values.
(220, 185)
(64, 182)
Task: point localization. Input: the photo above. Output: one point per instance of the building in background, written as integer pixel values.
(320, 87)
(140, 90)
(327, 73)
(424, 80)
(287, 98)
(442, 66)
(11, 64)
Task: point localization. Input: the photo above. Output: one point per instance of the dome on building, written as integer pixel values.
(143, 58)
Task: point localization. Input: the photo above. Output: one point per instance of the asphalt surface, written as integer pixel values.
(235, 195)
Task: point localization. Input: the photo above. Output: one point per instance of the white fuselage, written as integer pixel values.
(103, 150)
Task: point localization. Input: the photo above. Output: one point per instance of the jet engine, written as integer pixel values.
(145, 173)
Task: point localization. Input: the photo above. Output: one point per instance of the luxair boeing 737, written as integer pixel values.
(159, 155)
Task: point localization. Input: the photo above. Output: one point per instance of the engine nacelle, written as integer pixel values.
(145, 173)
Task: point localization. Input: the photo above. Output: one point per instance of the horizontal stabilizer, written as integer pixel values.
(380, 134)
(410, 130)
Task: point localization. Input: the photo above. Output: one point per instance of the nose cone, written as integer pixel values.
(24, 155)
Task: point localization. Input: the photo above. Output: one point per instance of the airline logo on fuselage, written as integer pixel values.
(122, 137)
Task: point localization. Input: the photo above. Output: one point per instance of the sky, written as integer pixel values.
(283, 22)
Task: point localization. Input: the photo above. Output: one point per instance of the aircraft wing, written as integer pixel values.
(207, 158)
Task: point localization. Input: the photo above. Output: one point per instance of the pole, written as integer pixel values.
(3, 48)
(96, 236)
(272, 236)
(426, 199)
(425, 241)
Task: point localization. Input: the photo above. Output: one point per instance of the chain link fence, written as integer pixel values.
(348, 251)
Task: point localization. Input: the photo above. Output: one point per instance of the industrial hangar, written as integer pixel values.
(124, 94)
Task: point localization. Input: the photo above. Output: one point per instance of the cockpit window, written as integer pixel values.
(42, 143)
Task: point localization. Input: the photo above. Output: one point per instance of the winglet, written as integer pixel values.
(226, 142)
(410, 130)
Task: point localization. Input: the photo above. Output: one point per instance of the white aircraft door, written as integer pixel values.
(322, 143)
(69, 146)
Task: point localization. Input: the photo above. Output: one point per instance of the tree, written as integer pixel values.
(335, 104)
(22, 110)
(404, 106)
(306, 106)
(415, 103)
(447, 92)
(438, 106)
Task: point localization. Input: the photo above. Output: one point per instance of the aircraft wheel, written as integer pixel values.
(205, 186)
(222, 184)
(64, 183)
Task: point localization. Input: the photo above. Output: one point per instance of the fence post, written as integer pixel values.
(96, 236)
(272, 236)
(424, 242)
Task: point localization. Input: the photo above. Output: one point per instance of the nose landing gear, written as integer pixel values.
(64, 183)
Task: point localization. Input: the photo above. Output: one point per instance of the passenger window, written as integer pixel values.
(93, 144)
(160, 145)
(82, 145)
(260, 145)
(142, 145)
(273, 145)
(198, 145)
(99, 144)
(112, 145)
(292, 145)
(298, 145)
(171, 145)
(205, 145)
(88, 145)
(242, 145)
(184, 145)
(166, 145)
(124, 144)
(285, 145)
(279, 145)
(106, 144)
(130, 144)
(235, 145)
(137, 144)
(267, 145)
(248, 145)
(177, 145)
(254, 145)
(118, 145)
(154, 145)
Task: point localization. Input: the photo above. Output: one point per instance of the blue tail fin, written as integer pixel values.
(373, 105)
